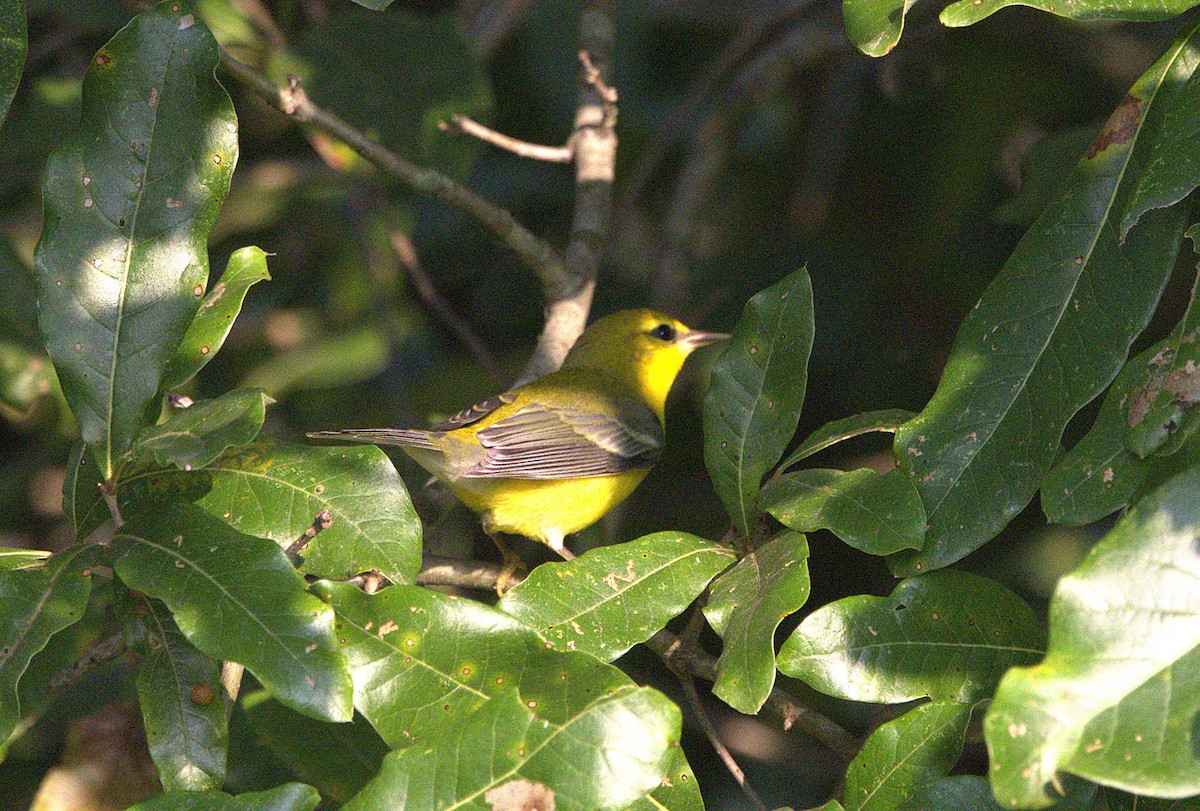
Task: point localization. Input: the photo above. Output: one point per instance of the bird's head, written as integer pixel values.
(642, 348)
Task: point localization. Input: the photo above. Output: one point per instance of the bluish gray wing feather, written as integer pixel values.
(541, 443)
(412, 437)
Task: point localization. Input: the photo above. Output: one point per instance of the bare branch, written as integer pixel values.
(322, 521)
(461, 125)
(103, 651)
(465, 574)
(710, 731)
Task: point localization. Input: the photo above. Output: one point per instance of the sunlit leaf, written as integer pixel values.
(947, 635)
(874, 26)
(678, 790)
(969, 12)
(130, 199)
(289, 797)
(1130, 611)
(755, 394)
(195, 436)
(613, 597)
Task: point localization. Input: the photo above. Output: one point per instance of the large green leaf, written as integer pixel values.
(947, 635)
(421, 661)
(213, 321)
(182, 701)
(236, 597)
(963, 792)
(756, 392)
(969, 12)
(905, 754)
(275, 490)
(876, 514)
(678, 790)
(130, 199)
(13, 45)
(745, 606)
(1048, 335)
(875, 26)
(37, 603)
(195, 436)
(1130, 611)
(828, 435)
(609, 599)
(605, 756)
(289, 797)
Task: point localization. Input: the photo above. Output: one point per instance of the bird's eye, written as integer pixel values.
(664, 332)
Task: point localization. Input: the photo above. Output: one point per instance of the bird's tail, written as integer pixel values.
(405, 437)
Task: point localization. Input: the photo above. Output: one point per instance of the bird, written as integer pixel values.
(551, 457)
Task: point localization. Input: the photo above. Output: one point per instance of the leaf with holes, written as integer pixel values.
(756, 392)
(130, 199)
(609, 599)
(195, 436)
(237, 598)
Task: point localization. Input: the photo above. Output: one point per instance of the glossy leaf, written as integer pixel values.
(211, 325)
(421, 661)
(605, 756)
(182, 702)
(1129, 611)
(876, 514)
(678, 790)
(755, 394)
(38, 603)
(237, 598)
(14, 43)
(830, 434)
(130, 199)
(275, 490)
(195, 436)
(289, 797)
(337, 759)
(962, 792)
(1048, 335)
(745, 606)
(969, 12)
(12, 559)
(611, 598)
(905, 754)
(875, 26)
(948, 635)
(1100, 475)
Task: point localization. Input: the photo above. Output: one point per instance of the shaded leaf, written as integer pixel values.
(29, 390)
(211, 325)
(969, 12)
(948, 635)
(755, 394)
(746, 605)
(614, 597)
(875, 26)
(905, 754)
(130, 199)
(289, 797)
(421, 661)
(13, 45)
(336, 360)
(876, 514)
(605, 756)
(830, 434)
(237, 598)
(38, 603)
(962, 792)
(1048, 335)
(1129, 611)
(1044, 174)
(18, 290)
(195, 436)
(275, 490)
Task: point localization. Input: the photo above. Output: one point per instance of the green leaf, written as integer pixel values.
(1044, 174)
(130, 199)
(275, 490)
(969, 12)
(876, 514)
(195, 436)
(905, 754)
(421, 661)
(1100, 475)
(611, 598)
(29, 390)
(333, 361)
(237, 598)
(948, 635)
(746, 605)
(678, 790)
(875, 26)
(213, 321)
(347, 757)
(1130, 610)
(1048, 335)
(13, 45)
(13, 559)
(18, 290)
(38, 603)
(830, 434)
(756, 392)
(289, 797)
(605, 756)
(963, 792)
(182, 702)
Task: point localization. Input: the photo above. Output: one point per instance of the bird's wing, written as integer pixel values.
(538, 442)
(476, 412)
(408, 437)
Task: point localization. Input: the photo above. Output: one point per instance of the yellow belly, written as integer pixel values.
(545, 510)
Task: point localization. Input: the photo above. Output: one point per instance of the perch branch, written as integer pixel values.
(461, 125)
(689, 688)
(103, 651)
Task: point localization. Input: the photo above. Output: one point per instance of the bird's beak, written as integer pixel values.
(695, 339)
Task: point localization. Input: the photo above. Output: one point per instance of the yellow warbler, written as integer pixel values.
(551, 457)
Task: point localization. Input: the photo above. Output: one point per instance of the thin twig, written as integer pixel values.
(461, 125)
(103, 651)
(710, 731)
(322, 521)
